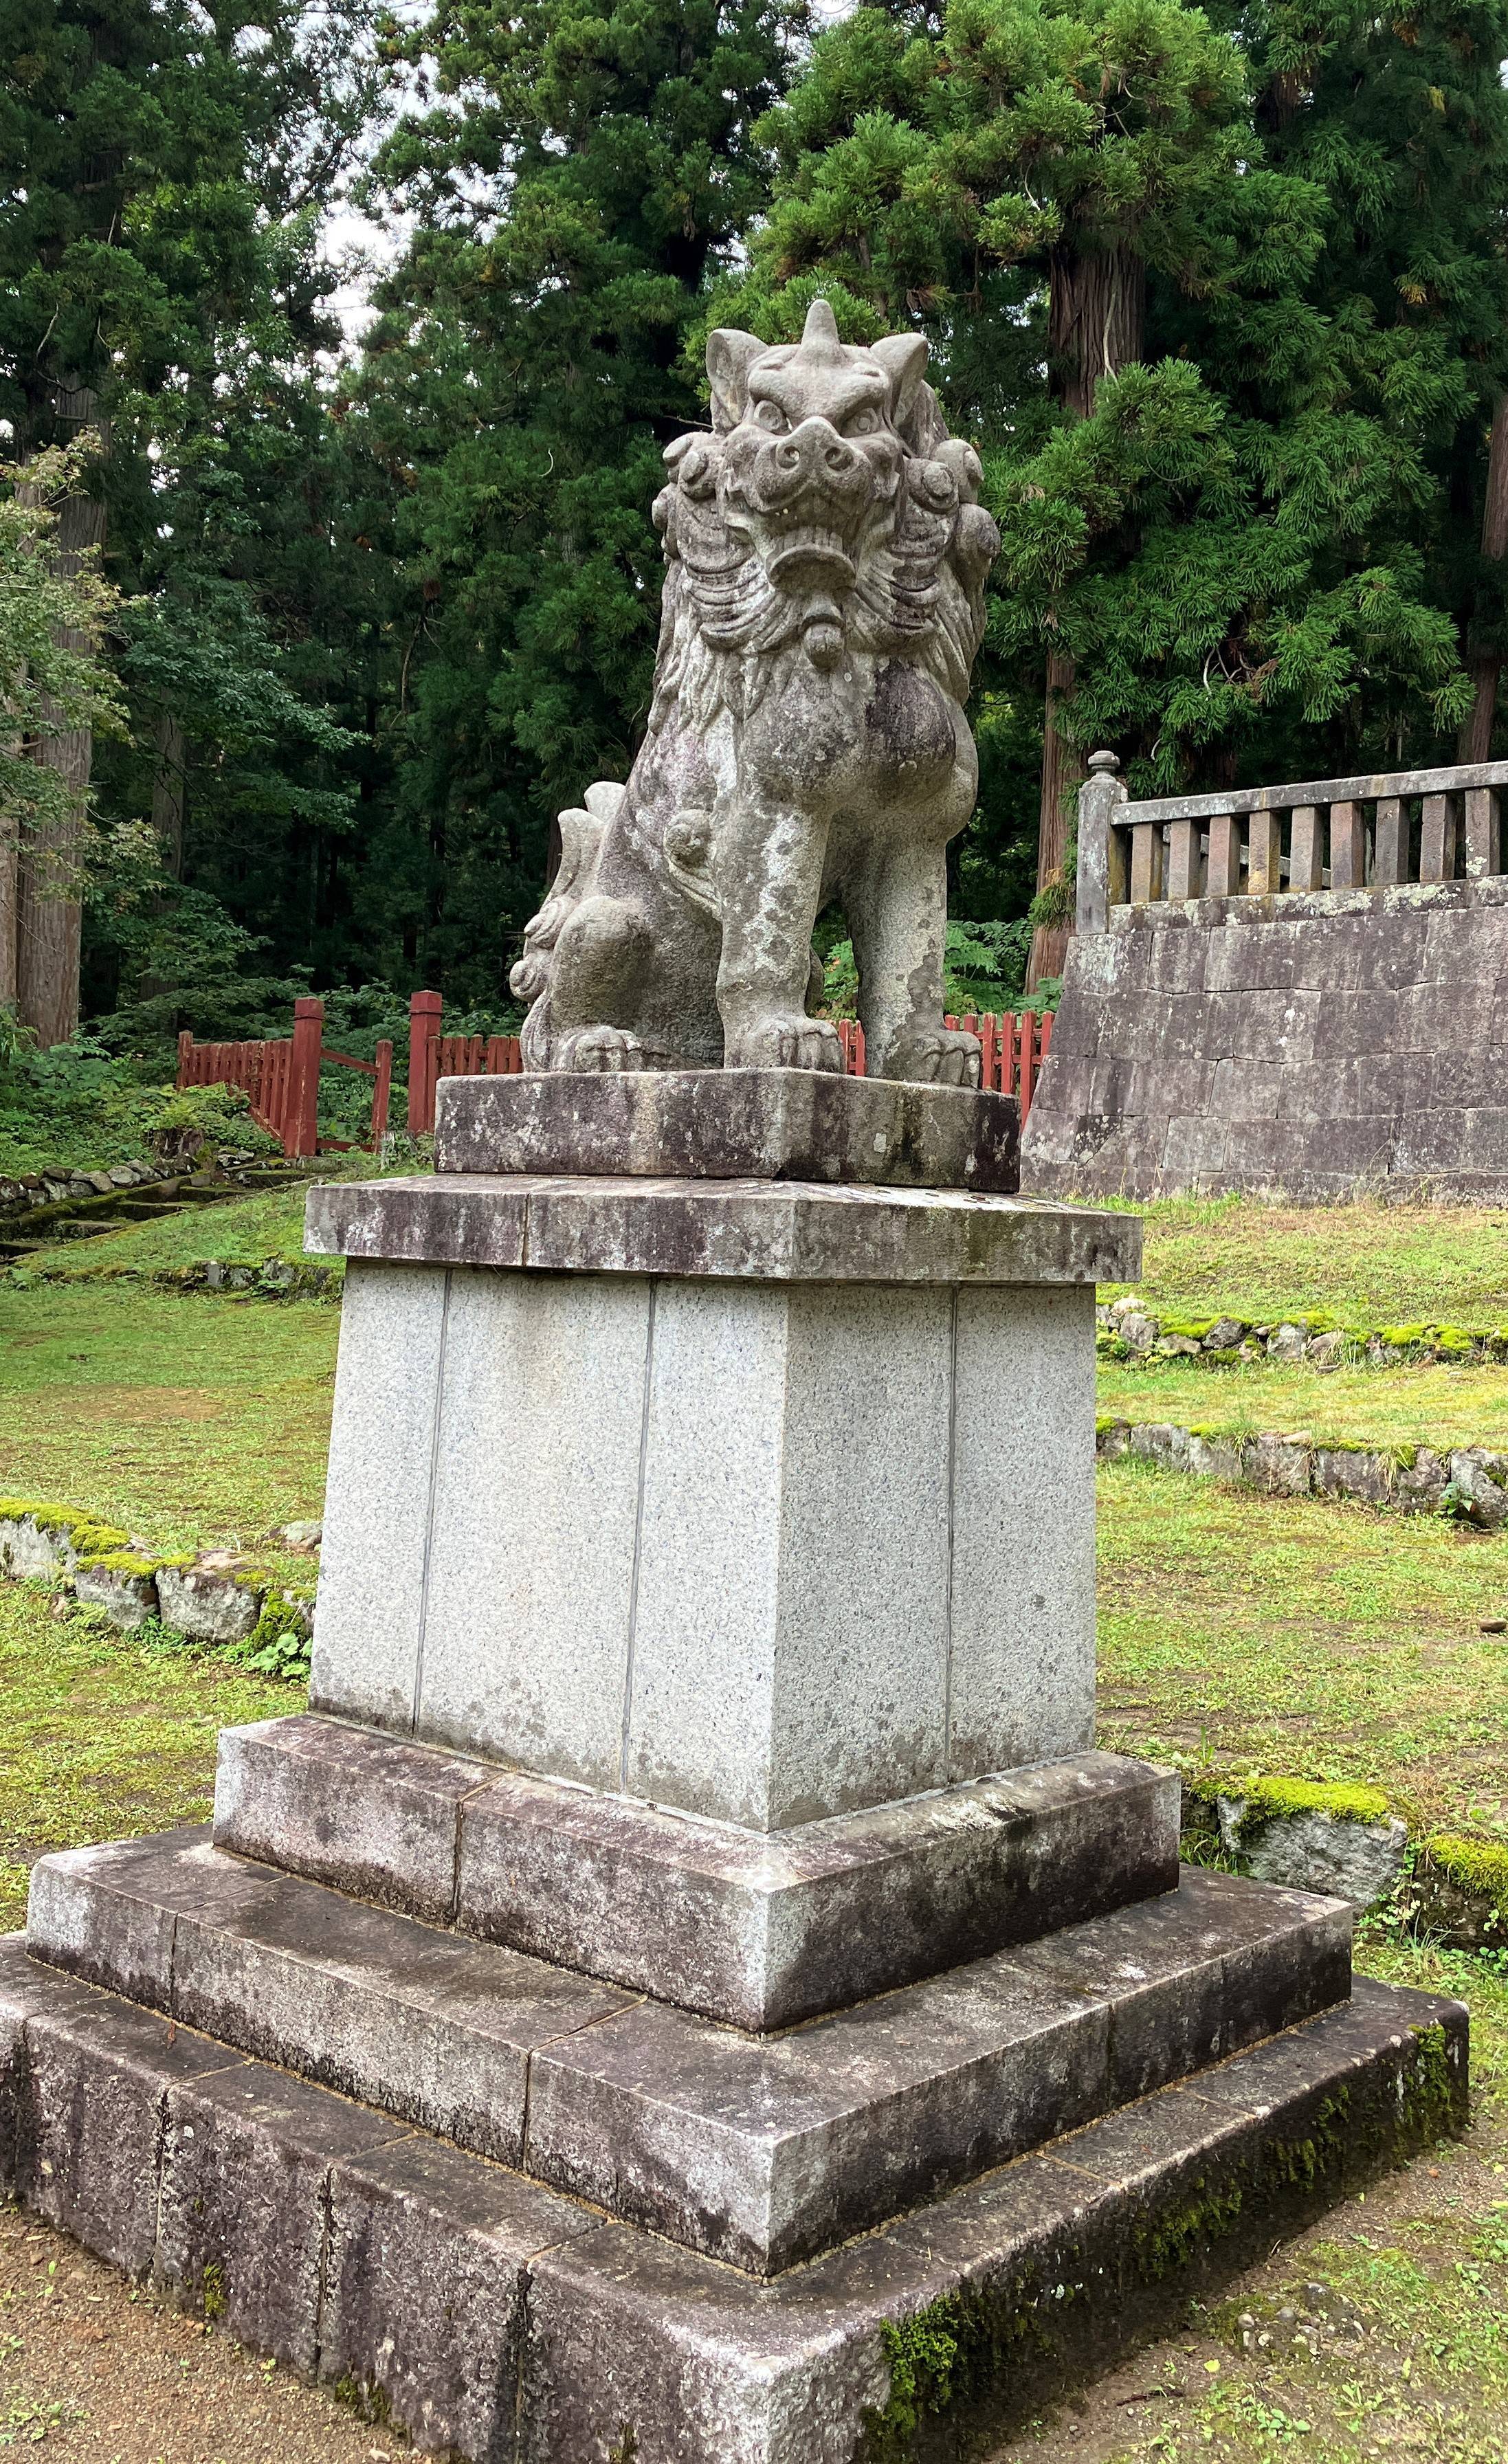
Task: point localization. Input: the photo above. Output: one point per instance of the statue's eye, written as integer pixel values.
(768, 414)
(863, 423)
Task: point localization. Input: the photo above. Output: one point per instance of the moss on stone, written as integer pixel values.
(1479, 1866)
(1168, 2242)
(118, 1561)
(80, 1531)
(1266, 1794)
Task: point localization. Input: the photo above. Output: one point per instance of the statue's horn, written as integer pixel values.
(820, 333)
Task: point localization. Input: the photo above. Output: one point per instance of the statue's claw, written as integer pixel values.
(787, 1040)
(603, 1048)
(942, 1056)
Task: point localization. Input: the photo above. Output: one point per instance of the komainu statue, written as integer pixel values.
(824, 600)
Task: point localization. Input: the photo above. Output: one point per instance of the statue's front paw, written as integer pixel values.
(602, 1047)
(940, 1056)
(787, 1040)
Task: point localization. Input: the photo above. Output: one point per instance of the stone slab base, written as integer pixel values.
(729, 1125)
(756, 1929)
(494, 2318)
(758, 2151)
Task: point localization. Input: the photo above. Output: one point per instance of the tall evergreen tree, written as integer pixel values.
(574, 175)
(1239, 532)
(164, 166)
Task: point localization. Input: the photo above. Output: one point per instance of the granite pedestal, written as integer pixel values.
(692, 1935)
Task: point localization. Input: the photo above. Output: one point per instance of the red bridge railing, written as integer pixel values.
(281, 1076)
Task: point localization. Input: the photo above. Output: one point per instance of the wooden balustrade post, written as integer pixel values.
(1348, 847)
(382, 1087)
(302, 1124)
(1390, 842)
(1437, 839)
(1306, 849)
(424, 1028)
(1264, 838)
(1483, 833)
(184, 1058)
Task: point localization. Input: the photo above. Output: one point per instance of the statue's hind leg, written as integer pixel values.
(596, 978)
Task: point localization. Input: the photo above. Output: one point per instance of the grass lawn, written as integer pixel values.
(193, 1419)
(1387, 1266)
(1431, 1404)
(1320, 1642)
(104, 1737)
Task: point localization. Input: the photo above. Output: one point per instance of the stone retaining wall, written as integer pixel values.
(1469, 1482)
(1313, 1044)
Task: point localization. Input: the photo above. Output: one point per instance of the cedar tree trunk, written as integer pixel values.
(1097, 314)
(1474, 743)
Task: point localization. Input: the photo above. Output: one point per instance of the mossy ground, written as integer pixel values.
(106, 1735)
(1367, 1264)
(1429, 1404)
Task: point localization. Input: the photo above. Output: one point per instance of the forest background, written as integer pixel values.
(305, 639)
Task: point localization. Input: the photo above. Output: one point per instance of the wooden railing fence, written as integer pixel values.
(1373, 832)
(281, 1076)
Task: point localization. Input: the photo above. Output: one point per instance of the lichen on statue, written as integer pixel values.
(824, 600)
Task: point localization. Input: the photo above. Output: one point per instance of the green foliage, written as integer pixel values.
(923, 2352)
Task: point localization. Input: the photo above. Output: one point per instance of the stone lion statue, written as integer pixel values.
(824, 600)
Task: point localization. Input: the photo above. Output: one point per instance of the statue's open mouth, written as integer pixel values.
(811, 560)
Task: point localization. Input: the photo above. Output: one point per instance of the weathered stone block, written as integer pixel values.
(1350, 1035)
(757, 1931)
(750, 1231)
(434, 2029)
(246, 2160)
(207, 1605)
(729, 1125)
(425, 2289)
(372, 1815)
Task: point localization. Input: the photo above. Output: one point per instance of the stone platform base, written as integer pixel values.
(496, 2319)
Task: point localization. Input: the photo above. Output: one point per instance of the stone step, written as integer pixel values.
(759, 1929)
(490, 2317)
(760, 2151)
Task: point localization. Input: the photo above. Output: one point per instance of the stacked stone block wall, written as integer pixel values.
(1315, 1045)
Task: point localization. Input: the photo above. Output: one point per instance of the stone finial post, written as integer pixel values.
(1100, 858)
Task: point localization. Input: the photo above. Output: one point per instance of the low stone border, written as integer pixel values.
(273, 1279)
(1130, 1330)
(1469, 1484)
(1326, 1835)
(214, 1598)
(58, 1183)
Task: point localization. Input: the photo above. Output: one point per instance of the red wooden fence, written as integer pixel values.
(433, 1056)
(283, 1079)
(281, 1076)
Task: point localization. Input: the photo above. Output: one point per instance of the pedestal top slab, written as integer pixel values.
(808, 1125)
(762, 1231)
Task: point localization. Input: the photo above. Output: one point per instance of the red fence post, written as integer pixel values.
(424, 1026)
(301, 1122)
